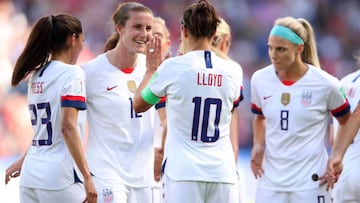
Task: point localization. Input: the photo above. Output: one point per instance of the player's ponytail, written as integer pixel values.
(36, 51)
(201, 19)
(309, 54)
(48, 36)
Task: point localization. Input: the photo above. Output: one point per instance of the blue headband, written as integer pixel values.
(286, 33)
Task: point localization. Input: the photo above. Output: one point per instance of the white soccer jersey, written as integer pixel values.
(120, 144)
(296, 124)
(351, 161)
(48, 163)
(200, 90)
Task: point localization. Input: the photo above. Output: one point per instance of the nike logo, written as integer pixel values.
(267, 97)
(110, 88)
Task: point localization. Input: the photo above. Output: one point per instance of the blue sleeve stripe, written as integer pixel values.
(75, 104)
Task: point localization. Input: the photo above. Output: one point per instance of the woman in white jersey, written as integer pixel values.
(160, 30)
(201, 94)
(221, 43)
(347, 189)
(120, 146)
(292, 99)
(56, 92)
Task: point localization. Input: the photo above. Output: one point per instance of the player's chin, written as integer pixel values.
(140, 49)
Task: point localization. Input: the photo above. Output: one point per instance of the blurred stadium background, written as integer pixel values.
(336, 25)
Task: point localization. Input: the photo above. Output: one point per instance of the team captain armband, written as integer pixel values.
(147, 95)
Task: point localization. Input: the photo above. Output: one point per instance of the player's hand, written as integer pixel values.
(334, 169)
(159, 155)
(153, 54)
(91, 194)
(13, 170)
(257, 155)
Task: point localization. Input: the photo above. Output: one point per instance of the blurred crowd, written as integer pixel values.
(335, 24)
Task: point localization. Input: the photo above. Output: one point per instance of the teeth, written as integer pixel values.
(140, 42)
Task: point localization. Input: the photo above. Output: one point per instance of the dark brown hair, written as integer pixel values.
(120, 17)
(201, 19)
(48, 36)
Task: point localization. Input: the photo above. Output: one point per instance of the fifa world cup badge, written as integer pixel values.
(131, 85)
(108, 195)
(285, 98)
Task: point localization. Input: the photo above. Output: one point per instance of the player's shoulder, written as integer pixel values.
(95, 63)
(61, 68)
(322, 75)
(352, 77)
(263, 72)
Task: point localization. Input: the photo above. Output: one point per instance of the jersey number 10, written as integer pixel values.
(208, 103)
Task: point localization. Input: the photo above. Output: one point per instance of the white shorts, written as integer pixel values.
(75, 193)
(196, 191)
(116, 192)
(157, 192)
(347, 190)
(319, 195)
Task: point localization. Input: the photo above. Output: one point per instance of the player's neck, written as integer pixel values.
(199, 44)
(292, 73)
(121, 60)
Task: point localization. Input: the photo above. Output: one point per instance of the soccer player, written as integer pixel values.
(292, 99)
(201, 94)
(160, 30)
(120, 146)
(56, 91)
(221, 43)
(347, 189)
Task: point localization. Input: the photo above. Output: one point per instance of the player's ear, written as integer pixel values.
(71, 40)
(300, 48)
(184, 30)
(118, 28)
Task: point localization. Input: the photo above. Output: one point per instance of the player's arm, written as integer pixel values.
(159, 152)
(14, 169)
(73, 142)
(349, 124)
(144, 98)
(257, 153)
(234, 132)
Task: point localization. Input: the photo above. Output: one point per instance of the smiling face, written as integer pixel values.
(283, 54)
(136, 32)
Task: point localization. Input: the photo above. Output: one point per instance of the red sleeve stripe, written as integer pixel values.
(163, 99)
(73, 98)
(255, 109)
(342, 110)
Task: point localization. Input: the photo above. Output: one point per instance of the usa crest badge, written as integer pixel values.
(306, 98)
(285, 98)
(131, 86)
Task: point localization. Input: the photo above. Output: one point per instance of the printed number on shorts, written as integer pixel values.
(210, 107)
(34, 110)
(284, 119)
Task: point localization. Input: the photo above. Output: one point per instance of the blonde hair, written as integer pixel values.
(305, 31)
(161, 21)
(223, 30)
